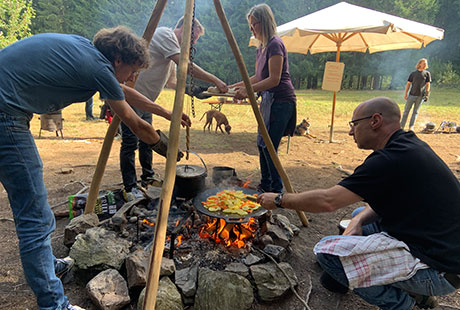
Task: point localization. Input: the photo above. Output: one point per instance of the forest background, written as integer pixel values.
(363, 71)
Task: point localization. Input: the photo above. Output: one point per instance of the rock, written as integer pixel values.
(186, 280)
(78, 225)
(278, 235)
(167, 267)
(99, 249)
(238, 268)
(277, 252)
(283, 222)
(271, 283)
(108, 290)
(266, 240)
(137, 265)
(252, 259)
(295, 229)
(223, 291)
(168, 297)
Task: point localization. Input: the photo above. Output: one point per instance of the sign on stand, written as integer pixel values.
(333, 73)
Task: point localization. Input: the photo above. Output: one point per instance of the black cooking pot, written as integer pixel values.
(190, 179)
(222, 173)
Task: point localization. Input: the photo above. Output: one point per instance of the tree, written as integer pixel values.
(15, 19)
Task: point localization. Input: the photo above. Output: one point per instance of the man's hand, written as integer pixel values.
(267, 200)
(354, 228)
(426, 96)
(161, 147)
(405, 96)
(222, 86)
(185, 120)
(241, 93)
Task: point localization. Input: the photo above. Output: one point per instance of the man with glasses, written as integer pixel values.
(402, 248)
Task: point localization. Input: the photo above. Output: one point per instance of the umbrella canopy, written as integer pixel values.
(353, 29)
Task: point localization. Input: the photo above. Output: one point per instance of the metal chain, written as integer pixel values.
(192, 56)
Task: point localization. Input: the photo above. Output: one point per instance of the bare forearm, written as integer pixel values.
(136, 99)
(265, 84)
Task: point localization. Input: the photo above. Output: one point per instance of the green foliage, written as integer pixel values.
(388, 70)
(15, 18)
(444, 74)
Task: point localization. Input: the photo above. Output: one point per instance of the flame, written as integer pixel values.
(179, 240)
(148, 222)
(245, 185)
(177, 223)
(229, 234)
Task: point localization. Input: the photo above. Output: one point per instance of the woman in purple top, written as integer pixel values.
(273, 82)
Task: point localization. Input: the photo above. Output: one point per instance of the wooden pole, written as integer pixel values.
(170, 170)
(255, 108)
(331, 133)
(113, 127)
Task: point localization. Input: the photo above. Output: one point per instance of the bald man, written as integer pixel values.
(402, 248)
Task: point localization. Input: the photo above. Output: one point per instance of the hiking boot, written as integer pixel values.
(62, 266)
(134, 193)
(154, 180)
(331, 284)
(424, 302)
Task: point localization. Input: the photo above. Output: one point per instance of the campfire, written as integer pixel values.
(229, 234)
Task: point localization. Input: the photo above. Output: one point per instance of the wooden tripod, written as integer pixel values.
(170, 170)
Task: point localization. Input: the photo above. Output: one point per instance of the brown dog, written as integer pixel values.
(221, 119)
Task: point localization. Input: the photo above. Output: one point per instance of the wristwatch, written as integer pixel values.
(278, 200)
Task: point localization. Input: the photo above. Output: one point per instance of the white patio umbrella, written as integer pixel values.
(350, 28)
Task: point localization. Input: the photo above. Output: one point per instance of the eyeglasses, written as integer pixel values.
(252, 26)
(352, 123)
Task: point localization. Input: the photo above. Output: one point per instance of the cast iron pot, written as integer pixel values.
(190, 179)
(222, 173)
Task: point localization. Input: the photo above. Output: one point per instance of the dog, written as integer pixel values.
(303, 129)
(221, 119)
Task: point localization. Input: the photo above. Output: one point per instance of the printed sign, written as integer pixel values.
(333, 73)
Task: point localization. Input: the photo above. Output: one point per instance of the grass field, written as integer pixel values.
(444, 104)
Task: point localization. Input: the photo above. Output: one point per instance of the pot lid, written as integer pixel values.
(190, 171)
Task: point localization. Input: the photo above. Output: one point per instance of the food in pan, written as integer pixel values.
(231, 201)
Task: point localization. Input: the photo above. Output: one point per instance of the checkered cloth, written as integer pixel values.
(377, 259)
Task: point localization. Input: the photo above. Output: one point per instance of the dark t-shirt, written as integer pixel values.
(47, 72)
(417, 197)
(419, 80)
(284, 91)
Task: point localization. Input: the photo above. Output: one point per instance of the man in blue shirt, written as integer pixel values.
(46, 73)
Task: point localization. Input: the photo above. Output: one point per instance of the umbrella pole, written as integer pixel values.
(170, 170)
(331, 133)
(252, 98)
(113, 127)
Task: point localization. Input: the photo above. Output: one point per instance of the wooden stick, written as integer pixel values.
(170, 170)
(255, 108)
(113, 128)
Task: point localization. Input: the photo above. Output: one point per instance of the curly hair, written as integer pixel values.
(121, 42)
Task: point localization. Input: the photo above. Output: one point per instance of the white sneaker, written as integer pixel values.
(135, 193)
(70, 307)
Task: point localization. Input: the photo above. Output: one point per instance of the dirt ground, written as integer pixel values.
(309, 164)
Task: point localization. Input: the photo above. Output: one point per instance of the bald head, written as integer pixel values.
(375, 122)
(384, 105)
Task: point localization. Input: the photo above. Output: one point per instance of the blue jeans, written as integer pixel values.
(89, 108)
(280, 115)
(129, 144)
(21, 173)
(395, 296)
(415, 101)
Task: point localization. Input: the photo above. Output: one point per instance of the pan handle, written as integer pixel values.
(202, 161)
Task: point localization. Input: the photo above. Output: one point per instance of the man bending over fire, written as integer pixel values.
(42, 74)
(403, 248)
